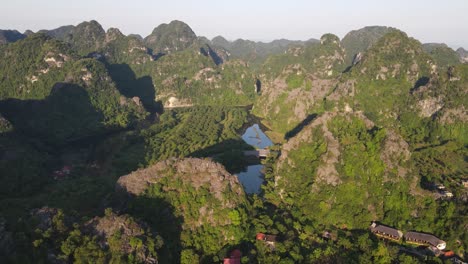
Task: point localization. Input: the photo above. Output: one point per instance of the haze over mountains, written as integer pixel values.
(124, 148)
(239, 47)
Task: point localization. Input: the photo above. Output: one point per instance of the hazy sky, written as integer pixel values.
(427, 20)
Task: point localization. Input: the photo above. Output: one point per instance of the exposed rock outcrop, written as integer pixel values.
(127, 229)
(197, 172)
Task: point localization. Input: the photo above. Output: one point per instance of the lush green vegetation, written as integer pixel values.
(375, 140)
(368, 190)
(197, 132)
(442, 54)
(51, 235)
(24, 71)
(361, 40)
(166, 38)
(181, 217)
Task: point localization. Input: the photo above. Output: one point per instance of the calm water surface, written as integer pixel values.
(252, 177)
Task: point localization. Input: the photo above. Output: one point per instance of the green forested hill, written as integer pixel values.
(7, 36)
(442, 54)
(201, 202)
(30, 67)
(169, 38)
(294, 84)
(372, 153)
(119, 149)
(256, 52)
(358, 41)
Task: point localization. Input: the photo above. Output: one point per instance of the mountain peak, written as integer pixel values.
(93, 24)
(113, 34)
(360, 40)
(167, 38)
(174, 25)
(329, 39)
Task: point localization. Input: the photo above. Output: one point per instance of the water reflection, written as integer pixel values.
(255, 137)
(252, 177)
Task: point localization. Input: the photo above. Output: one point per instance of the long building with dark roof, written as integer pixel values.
(424, 239)
(386, 232)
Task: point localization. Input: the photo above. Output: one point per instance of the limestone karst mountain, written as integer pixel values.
(168, 38)
(116, 148)
(358, 41)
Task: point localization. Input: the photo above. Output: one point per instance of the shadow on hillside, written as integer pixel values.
(23, 170)
(293, 132)
(44, 131)
(230, 153)
(131, 86)
(156, 56)
(419, 83)
(160, 215)
(64, 116)
(209, 52)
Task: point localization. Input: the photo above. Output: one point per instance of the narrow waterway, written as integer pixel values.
(252, 177)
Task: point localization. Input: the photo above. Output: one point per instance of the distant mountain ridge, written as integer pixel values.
(256, 51)
(364, 127)
(7, 36)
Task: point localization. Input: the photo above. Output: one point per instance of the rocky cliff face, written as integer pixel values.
(296, 82)
(196, 172)
(201, 192)
(40, 60)
(463, 54)
(394, 66)
(320, 166)
(121, 232)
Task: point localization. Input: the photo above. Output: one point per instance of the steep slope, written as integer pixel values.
(379, 146)
(169, 38)
(295, 83)
(397, 81)
(442, 54)
(120, 49)
(342, 170)
(200, 196)
(341, 161)
(195, 77)
(358, 41)
(85, 106)
(381, 83)
(8, 36)
(30, 67)
(189, 72)
(85, 37)
(62, 33)
(463, 54)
